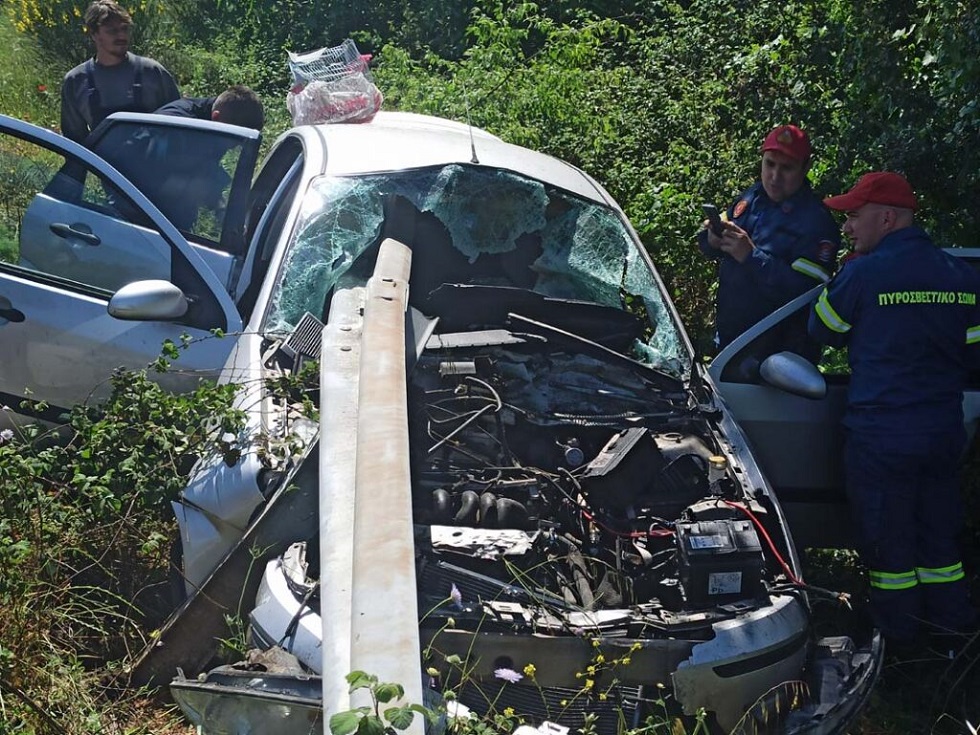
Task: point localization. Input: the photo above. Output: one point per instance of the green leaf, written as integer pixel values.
(344, 723)
(371, 725)
(361, 680)
(387, 692)
(399, 717)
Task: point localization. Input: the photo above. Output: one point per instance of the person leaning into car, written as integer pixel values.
(779, 241)
(196, 178)
(115, 80)
(909, 316)
(237, 105)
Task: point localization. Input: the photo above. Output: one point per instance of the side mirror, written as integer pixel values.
(794, 374)
(148, 301)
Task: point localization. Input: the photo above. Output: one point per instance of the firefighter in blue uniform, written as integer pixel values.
(779, 241)
(909, 316)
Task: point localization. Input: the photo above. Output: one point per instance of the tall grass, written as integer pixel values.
(29, 87)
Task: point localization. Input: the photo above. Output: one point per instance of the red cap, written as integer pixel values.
(789, 140)
(881, 187)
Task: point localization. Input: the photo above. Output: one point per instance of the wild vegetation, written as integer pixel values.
(85, 542)
(664, 102)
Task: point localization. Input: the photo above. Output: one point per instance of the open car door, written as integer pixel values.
(197, 172)
(796, 432)
(798, 440)
(93, 277)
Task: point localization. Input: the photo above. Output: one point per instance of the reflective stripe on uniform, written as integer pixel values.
(893, 580)
(952, 573)
(830, 317)
(973, 335)
(809, 268)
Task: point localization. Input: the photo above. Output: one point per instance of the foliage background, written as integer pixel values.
(665, 102)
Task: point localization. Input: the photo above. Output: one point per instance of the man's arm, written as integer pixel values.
(73, 125)
(811, 259)
(833, 314)
(170, 90)
(713, 245)
(705, 246)
(973, 331)
(163, 88)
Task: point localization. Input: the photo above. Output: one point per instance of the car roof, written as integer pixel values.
(395, 141)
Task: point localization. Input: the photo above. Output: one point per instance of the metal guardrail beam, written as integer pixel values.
(381, 622)
(340, 364)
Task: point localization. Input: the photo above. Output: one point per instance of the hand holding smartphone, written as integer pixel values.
(714, 219)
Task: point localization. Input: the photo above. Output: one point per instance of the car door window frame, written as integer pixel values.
(204, 308)
(273, 197)
(232, 236)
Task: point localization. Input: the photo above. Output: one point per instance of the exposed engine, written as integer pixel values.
(573, 510)
(559, 494)
(562, 496)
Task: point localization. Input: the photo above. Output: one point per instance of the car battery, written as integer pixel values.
(719, 561)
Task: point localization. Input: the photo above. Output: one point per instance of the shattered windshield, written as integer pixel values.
(476, 226)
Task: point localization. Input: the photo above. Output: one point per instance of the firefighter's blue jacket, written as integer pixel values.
(796, 243)
(908, 313)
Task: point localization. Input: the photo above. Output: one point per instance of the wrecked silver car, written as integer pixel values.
(511, 479)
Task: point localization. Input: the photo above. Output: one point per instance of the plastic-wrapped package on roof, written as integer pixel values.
(332, 85)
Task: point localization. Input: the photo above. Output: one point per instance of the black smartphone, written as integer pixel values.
(714, 218)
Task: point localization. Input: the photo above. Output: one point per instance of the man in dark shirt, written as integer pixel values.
(115, 80)
(196, 177)
(909, 315)
(237, 105)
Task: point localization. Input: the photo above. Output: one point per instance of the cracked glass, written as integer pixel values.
(475, 225)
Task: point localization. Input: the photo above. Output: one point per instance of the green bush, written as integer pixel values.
(85, 538)
(667, 108)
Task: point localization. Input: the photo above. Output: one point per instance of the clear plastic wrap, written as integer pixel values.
(332, 85)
